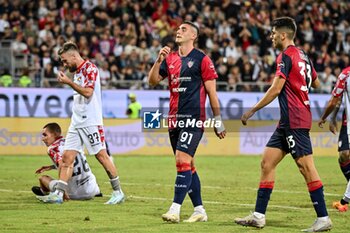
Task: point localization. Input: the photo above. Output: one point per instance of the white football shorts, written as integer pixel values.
(92, 137)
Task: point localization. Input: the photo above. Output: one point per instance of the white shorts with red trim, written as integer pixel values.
(92, 137)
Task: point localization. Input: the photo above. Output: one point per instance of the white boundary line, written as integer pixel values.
(221, 187)
(223, 203)
(206, 202)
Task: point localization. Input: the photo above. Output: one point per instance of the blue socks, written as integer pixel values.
(195, 189)
(317, 198)
(263, 197)
(182, 182)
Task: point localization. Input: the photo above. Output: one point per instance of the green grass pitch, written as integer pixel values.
(228, 189)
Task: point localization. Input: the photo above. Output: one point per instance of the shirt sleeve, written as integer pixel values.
(340, 84)
(90, 76)
(208, 69)
(284, 65)
(163, 69)
(55, 154)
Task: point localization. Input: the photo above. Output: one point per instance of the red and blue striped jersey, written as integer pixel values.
(186, 77)
(296, 68)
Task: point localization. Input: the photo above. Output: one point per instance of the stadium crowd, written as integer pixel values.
(123, 37)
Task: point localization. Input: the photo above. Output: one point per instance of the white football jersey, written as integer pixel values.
(83, 182)
(87, 112)
(342, 87)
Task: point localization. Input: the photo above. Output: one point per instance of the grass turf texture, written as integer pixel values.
(228, 189)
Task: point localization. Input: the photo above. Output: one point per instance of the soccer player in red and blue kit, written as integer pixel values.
(294, 76)
(191, 75)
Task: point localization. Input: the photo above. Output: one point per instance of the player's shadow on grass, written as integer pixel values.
(281, 224)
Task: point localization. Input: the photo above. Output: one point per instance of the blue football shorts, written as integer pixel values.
(294, 141)
(185, 139)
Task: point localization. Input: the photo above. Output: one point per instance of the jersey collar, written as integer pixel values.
(81, 65)
(58, 138)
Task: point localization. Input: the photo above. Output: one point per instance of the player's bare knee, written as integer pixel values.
(344, 156)
(182, 160)
(305, 169)
(43, 178)
(265, 166)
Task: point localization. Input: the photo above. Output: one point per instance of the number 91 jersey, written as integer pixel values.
(295, 67)
(83, 182)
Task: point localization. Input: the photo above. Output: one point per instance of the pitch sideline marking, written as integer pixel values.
(220, 187)
(207, 202)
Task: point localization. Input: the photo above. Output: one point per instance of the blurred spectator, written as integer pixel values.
(327, 81)
(19, 46)
(106, 44)
(154, 50)
(234, 77)
(247, 76)
(3, 24)
(44, 33)
(245, 36)
(25, 80)
(8, 34)
(346, 44)
(42, 11)
(264, 81)
(307, 32)
(50, 77)
(105, 75)
(232, 33)
(231, 50)
(6, 79)
(134, 107)
(162, 26)
(94, 46)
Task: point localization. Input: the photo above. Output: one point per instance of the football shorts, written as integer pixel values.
(92, 137)
(294, 141)
(185, 139)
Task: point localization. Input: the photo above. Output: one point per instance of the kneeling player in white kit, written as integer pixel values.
(82, 185)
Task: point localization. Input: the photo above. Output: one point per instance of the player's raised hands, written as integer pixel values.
(163, 53)
(63, 78)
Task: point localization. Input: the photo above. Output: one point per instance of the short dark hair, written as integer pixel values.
(68, 46)
(192, 25)
(285, 23)
(53, 128)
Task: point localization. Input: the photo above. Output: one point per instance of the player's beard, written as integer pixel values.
(72, 68)
(279, 46)
(278, 43)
